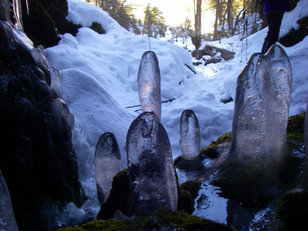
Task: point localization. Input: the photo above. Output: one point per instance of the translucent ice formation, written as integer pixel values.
(152, 175)
(107, 164)
(306, 132)
(262, 108)
(7, 219)
(149, 84)
(189, 135)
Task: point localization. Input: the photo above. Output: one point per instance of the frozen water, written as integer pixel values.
(38, 55)
(306, 132)
(210, 205)
(107, 164)
(262, 107)
(152, 175)
(7, 219)
(149, 84)
(189, 135)
(56, 81)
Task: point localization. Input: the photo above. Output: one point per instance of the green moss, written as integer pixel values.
(188, 192)
(162, 219)
(292, 209)
(295, 130)
(210, 150)
(97, 27)
(192, 186)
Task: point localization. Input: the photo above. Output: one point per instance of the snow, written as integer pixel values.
(100, 82)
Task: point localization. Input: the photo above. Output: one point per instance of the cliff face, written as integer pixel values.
(36, 158)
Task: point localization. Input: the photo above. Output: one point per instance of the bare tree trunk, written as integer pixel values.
(197, 36)
(230, 15)
(216, 19)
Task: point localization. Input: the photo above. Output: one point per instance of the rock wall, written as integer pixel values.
(46, 20)
(37, 159)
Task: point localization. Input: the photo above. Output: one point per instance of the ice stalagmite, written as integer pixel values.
(306, 132)
(152, 176)
(149, 84)
(7, 218)
(107, 164)
(262, 108)
(189, 135)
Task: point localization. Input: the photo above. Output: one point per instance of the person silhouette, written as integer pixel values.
(274, 10)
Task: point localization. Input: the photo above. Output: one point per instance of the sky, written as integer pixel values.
(100, 82)
(175, 12)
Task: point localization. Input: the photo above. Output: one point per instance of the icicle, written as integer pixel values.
(27, 5)
(17, 12)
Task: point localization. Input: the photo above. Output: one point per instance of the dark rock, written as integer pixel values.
(292, 210)
(228, 100)
(213, 51)
(46, 20)
(189, 165)
(37, 159)
(296, 35)
(212, 60)
(97, 27)
(118, 199)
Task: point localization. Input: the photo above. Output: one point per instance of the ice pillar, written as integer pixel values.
(149, 84)
(152, 175)
(306, 133)
(189, 135)
(107, 164)
(7, 218)
(262, 108)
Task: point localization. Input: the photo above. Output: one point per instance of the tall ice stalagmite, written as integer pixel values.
(149, 84)
(7, 218)
(189, 135)
(107, 164)
(262, 108)
(152, 176)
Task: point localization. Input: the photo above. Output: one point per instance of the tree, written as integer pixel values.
(154, 22)
(120, 12)
(196, 38)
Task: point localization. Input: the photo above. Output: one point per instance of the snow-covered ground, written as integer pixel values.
(100, 82)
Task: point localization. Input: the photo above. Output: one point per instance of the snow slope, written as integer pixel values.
(100, 82)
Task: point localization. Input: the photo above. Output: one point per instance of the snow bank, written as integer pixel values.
(100, 82)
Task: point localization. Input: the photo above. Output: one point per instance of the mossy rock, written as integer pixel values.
(118, 198)
(97, 27)
(162, 219)
(211, 150)
(188, 192)
(295, 130)
(189, 165)
(292, 209)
